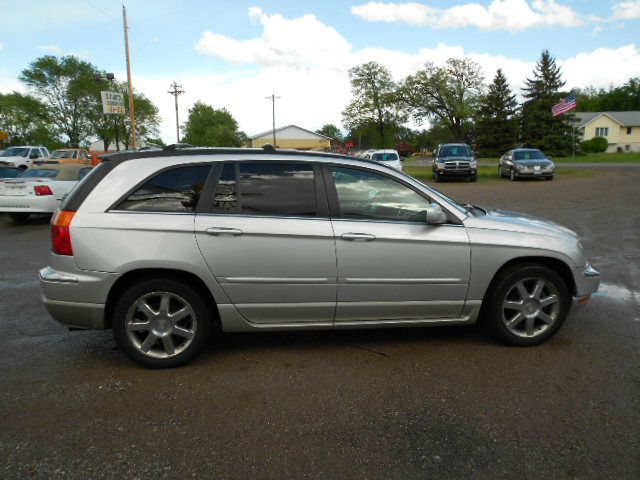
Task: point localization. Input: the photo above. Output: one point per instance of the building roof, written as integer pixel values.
(625, 119)
(270, 132)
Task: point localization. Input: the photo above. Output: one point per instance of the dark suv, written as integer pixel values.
(455, 160)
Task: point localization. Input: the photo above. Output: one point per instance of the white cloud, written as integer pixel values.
(50, 48)
(628, 10)
(306, 63)
(510, 15)
(53, 49)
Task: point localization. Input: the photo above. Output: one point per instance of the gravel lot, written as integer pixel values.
(403, 403)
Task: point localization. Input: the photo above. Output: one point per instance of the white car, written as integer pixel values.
(388, 157)
(39, 189)
(23, 157)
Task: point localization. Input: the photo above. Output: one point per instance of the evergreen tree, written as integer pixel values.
(540, 129)
(496, 125)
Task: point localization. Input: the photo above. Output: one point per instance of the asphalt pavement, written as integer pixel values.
(395, 403)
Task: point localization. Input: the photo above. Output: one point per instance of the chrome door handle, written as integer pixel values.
(358, 237)
(223, 231)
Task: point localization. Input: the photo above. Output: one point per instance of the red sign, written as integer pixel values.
(348, 144)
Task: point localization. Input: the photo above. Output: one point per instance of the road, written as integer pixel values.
(401, 403)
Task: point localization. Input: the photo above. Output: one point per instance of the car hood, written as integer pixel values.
(543, 162)
(521, 222)
(455, 159)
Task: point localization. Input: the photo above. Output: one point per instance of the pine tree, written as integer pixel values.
(496, 124)
(540, 129)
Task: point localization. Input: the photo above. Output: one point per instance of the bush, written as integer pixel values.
(595, 145)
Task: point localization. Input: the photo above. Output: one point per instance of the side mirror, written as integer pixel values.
(435, 215)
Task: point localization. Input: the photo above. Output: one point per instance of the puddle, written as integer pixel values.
(617, 292)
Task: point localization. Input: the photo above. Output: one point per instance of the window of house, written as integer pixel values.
(629, 130)
(602, 131)
(174, 190)
(262, 188)
(365, 195)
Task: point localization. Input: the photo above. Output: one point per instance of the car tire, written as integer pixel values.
(527, 305)
(438, 178)
(512, 175)
(19, 217)
(550, 177)
(474, 178)
(145, 331)
(500, 174)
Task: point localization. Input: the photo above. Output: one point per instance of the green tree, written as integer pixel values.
(27, 121)
(67, 87)
(209, 127)
(449, 94)
(147, 117)
(540, 129)
(616, 99)
(373, 104)
(496, 124)
(331, 131)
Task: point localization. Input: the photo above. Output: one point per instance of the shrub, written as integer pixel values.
(595, 145)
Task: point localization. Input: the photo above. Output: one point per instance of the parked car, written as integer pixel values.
(454, 160)
(526, 162)
(69, 155)
(167, 247)
(10, 172)
(23, 157)
(38, 190)
(389, 157)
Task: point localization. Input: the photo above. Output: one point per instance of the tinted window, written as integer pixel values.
(364, 195)
(455, 151)
(8, 172)
(41, 173)
(84, 172)
(174, 190)
(385, 157)
(15, 152)
(279, 189)
(528, 155)
(225, 198)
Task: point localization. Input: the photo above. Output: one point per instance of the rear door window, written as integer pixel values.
(174, 190)
(263, 188)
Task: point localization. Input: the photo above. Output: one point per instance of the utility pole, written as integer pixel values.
(176, 90)
(132, 109)
(273, 99)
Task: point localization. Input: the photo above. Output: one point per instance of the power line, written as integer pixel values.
(176, 91)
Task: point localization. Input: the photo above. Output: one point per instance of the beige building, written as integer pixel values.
(291, 136)
(621, 129)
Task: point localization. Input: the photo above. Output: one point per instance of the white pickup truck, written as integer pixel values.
(39, 189)
(24, 157)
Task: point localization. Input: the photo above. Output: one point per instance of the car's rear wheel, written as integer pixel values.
(161, 323)
(528, 305)
(19, 217)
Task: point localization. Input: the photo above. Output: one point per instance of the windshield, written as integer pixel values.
(10, 172)
(386, 157)
(41, 173)
(528, 155)
(15, 152)
(455, 151)
(62, 154)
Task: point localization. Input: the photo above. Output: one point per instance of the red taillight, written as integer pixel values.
(60, 234)
(42, 190)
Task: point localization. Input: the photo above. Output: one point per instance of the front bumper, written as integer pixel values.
(462, 172)
(533, 173)
(587, 280)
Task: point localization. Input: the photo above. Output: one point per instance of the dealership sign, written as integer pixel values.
(112, 103)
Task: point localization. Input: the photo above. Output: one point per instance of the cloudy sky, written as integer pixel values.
(234, 54)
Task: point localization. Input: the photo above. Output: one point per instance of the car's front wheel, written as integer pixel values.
(512, 175)
(528, 304)
(161, 323)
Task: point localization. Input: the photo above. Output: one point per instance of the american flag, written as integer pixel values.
(566, 105)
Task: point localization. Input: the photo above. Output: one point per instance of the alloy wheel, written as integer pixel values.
(161, 324)
(530, 307)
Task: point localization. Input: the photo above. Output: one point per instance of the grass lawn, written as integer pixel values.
(424, 173)
(628, 157)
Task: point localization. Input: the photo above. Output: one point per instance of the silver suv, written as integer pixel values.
(166, 247)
